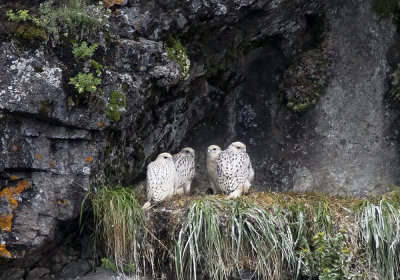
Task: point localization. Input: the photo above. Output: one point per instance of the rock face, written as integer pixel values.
(51, 151)
(354, 143)
(348, 143)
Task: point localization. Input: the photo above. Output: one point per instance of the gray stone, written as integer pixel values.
(75, 269)
(100, 273)
(37, 273)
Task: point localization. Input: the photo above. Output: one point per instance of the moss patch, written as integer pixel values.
(385, 7)
(116, 106)
(178, 53)
(305, 80)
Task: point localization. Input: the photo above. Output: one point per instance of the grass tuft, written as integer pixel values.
(220, 238)
(119, 224)
(380, 233)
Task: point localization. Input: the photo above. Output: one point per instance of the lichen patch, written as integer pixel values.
(11, 196)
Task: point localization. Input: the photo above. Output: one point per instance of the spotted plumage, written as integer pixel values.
(184, 165)
(213, 152)
(161, 175)
(234, 170)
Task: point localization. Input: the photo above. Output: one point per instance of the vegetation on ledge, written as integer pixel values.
(266, 234)
(178, 53)
(73, 19)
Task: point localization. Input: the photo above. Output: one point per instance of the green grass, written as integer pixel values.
(272, 235)
(119, 224)
(220, 238)
(380, 233)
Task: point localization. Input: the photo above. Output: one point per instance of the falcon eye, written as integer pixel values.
(165, 157)
(214, 149)
(187, 152)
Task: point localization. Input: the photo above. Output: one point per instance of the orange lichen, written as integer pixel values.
(11, 195)
(15, 147)
(52, 164)
(59, 202)
(101, 124)
(13, 177)
(4, 253)
(110, 3)
(38, 156)
(5, 222)
(89, 159)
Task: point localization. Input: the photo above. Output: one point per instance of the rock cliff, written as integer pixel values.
(303, 83)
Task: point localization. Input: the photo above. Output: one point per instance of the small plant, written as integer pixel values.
(328, 258)
(85, 82)
(178, 53)
(116, 106)
(107, 263)
(21, 15)
(83, 51)
(97, 67)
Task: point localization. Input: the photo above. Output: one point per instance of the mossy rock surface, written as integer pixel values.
(305, 80)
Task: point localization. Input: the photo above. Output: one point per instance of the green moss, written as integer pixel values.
(26, 33)
(385, 7)
(43, 111)
(214, 68)
(124, 86)
(116, 106)
(3, 118)
(38, 69)
(178, 53)
(305, 80)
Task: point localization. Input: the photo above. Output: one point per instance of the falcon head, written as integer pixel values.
(237, 147)
(187, 151)
(164, 157)
(213, 151)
